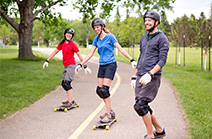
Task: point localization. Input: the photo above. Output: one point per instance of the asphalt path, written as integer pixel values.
(39, 121)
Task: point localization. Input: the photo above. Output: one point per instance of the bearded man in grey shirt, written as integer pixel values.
(154, 47)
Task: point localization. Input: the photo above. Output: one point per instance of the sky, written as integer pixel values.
(181, 7)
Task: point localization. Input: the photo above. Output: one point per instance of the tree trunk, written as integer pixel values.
(47, 42)
(25, 30)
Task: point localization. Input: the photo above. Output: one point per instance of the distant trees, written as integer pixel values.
(128, 31)
(196, 31)
(30, 10)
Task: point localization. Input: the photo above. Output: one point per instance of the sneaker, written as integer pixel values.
(112, 113)
(107, 118)
(73, 103)
(102, 116)
(147, 137)
(65, 102)
(159, 135)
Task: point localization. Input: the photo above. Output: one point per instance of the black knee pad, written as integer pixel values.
(66, 85)
(98, 91)
(103, 92)
(141, 107)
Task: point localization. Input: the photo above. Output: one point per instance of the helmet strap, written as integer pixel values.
(100, 33)
(68, 40)
(153, 27)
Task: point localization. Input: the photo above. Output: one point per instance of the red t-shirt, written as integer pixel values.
(68, 51)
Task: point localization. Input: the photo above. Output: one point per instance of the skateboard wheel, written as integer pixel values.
(77, 105)
(65, 110)
(94, 127)
(115, 120)
(107, 127)
(55, 109)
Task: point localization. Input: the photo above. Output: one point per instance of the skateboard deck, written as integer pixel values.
(106, 126)
(65, 109)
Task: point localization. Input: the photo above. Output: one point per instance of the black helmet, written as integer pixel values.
(98, 21)
(69, 30)
(152, 14)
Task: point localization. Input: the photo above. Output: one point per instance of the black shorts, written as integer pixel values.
(107, 71)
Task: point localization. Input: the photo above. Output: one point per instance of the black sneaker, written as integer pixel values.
(159, 135)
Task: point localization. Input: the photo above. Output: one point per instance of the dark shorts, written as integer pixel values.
(149, 91)
(107, 71)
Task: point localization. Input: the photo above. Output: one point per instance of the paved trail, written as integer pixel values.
(39, 121)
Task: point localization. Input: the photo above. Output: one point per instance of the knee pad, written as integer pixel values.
(141, 107)
(66, 85)
(103, 92)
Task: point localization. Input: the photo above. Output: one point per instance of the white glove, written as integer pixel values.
(46, 63)
(78, 68)
(133, 63)
(87, 70)
(133, 81)
(145, 79)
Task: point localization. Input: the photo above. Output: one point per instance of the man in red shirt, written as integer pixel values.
(68, 48)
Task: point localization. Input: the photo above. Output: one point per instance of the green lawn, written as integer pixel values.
(24, 82)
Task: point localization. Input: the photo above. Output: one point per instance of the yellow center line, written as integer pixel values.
(80, 129)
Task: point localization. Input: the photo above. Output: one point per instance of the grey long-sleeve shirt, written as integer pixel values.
(152, 52)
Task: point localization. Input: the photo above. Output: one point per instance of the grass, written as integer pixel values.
(24, 82)
(194, 88)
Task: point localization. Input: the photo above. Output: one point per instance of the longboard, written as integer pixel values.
(106, 126)
(65, 109)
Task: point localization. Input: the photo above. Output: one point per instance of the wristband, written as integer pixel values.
(133, 78)
(150, 74)
(132, 60)
(47, 60)
(80, 65)
(85, 66)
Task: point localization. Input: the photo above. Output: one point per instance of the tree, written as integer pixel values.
(38, 32)
(5, 34)
(164, 25)
(29, 10)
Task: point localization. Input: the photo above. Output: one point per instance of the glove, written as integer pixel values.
(133, 81)
(133, 63)
(87, 70)
(78, 68)
(146, 78)
(46, 63)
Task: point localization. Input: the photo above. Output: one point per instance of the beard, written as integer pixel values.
(152, 28)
